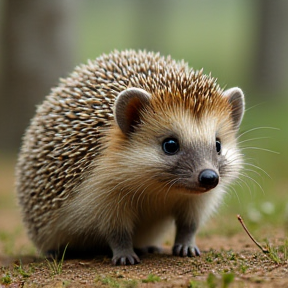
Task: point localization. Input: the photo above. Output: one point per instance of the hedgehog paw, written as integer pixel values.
(186, 250)
(125, 259)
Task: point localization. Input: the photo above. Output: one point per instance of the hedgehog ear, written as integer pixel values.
(127, 107)
(236, 99)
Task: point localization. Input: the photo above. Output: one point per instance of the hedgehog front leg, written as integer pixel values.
(185, 240)
(122, 248)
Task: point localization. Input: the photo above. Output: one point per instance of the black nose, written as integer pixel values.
(208, 178)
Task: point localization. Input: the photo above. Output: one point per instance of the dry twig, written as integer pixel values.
(264, 250)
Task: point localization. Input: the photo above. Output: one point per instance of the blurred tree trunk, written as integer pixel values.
(37, 37)
(272, 51)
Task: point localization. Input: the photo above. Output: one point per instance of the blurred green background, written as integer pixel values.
(241, 42)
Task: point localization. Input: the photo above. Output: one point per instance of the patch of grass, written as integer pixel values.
(116, 283)
(243, 268)
(195, 284)
(216, 256)
(278, 254)
(66, 283)
(209, 259)
(111, 282)
(151, 278)
(227, 279)
(232, 256)
(6, 279)
(56, 266)
(20, 270)
(130, 284)
(213, 281)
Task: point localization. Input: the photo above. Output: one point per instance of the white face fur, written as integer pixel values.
(194, 155)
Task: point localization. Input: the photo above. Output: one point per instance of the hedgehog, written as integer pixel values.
(128, 146)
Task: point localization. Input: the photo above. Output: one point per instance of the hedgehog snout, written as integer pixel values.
(208, 178)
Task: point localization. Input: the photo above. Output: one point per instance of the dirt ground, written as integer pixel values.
(221, 256)
(226, 261)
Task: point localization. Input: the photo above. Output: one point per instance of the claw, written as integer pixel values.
(185, 250)
(122, 261)
(197, 251)
(125, 260)
(177, 250)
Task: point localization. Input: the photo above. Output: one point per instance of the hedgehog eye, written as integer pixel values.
(170, 146)
(218, 146)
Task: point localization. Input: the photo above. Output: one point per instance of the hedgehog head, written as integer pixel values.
(183, 134)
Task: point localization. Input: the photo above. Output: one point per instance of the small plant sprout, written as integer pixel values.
(55, 265)
(19, 268)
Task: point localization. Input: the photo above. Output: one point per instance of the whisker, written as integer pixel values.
(246, 184)
(162, 188)
(172, 183)
(235, 192)
(253, 139)
(257, 167)
(254, 129)
(251, 170)
(142, 193)
(134, 194)
(254, 106)
(253, 180)
(261, 149)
